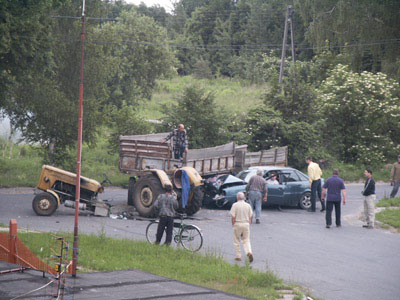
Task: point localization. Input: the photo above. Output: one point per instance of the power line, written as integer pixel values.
(217, 47)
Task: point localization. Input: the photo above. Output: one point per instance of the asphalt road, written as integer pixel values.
(338, 263)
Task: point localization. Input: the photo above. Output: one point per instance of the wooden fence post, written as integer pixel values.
(12, 239)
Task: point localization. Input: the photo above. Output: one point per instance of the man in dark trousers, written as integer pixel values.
(314, 175)
(166, 205)
(369, 199)
(336, 188)
(181, 144)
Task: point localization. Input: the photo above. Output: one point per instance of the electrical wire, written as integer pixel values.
(217, 47)
(35, 290)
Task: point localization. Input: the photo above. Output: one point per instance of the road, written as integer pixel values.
(337, 263)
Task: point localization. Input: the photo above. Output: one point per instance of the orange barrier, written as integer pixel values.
(13, 250)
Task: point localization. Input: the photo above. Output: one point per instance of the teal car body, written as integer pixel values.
(293, 188)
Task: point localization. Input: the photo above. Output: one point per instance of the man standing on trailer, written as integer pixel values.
(166, 204)
(181, 144)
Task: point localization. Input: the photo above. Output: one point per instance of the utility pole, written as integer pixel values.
(291, 35)
(79, 152)
(288, 18)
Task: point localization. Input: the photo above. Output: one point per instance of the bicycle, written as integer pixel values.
(188, 235)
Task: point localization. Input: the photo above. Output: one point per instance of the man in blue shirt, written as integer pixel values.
(336, 188)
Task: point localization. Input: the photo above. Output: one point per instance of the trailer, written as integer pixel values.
(149, 162)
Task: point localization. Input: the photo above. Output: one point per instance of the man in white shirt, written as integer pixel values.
(241, 213)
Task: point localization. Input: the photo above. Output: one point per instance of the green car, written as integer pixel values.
(293, 188)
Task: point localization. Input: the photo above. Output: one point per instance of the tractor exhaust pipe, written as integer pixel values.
(71, 204)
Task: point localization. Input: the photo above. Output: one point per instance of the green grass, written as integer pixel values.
(101, 253)
(389, 202)
(232, 95)
(355, 173)
(390, 217)
(21, 166)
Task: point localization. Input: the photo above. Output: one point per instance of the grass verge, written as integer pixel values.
(391, 215)
(101, 253)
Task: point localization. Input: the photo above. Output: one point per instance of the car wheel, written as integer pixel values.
(305, 201)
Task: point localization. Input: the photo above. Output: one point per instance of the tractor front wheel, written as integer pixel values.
(44, 204)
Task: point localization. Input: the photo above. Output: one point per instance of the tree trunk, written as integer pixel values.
(51, 150)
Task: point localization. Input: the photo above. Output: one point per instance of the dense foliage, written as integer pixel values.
(340, 100)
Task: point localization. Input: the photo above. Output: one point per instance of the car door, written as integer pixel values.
(275, 191)
(292, 188)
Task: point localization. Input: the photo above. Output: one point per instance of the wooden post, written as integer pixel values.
(12, 239)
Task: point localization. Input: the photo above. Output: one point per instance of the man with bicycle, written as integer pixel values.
(166, 204)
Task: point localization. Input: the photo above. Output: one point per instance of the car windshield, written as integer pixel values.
(242, 175)
(302, 176)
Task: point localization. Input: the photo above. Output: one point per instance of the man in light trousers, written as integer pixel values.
(369, 200)
(241, 213)
(256, 188)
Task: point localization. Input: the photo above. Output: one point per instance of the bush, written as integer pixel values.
(204, 121)
(361, 114)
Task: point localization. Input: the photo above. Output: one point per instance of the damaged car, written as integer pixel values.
(293, 188)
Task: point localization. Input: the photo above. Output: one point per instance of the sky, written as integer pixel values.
(167, 4)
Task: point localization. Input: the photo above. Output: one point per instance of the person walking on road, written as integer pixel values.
(181, 144)
(395, 177)
(256, 188)
(314, 175)
(369, 199)
(166, 204)
(335, 187)
(241, 213)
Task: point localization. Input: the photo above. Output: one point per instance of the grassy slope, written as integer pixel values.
(233, 95)
(391, 215)
(100, 253)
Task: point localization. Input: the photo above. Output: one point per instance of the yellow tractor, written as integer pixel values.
(59, 188)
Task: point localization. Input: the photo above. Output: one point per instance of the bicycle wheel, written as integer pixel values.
(151, 232)
(191, 238)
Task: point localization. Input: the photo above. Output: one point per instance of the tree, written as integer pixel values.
(140, 54)
(22, 46)
(361, 113)
(365, 30)
(126, 121)
(203, 119)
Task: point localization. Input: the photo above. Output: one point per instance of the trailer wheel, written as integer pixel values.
(145, 192)
(44, 204)
(132, 181)
(195, 202)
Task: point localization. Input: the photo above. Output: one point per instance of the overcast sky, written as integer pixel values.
(167, 4)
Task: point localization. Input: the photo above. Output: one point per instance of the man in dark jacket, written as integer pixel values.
(335, 187)
(165, 204)
(369, 199)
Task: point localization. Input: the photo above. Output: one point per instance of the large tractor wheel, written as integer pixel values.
(195, 201)
(145, 193)
(44, 204)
